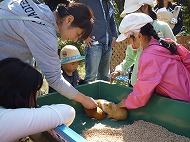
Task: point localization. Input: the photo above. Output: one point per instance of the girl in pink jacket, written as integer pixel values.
(164, 66)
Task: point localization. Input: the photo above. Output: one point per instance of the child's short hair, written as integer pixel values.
(69, 54)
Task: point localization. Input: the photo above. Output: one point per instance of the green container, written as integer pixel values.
(172, 114)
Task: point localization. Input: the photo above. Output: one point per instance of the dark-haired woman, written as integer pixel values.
(19, 115)
(28, 29)
(132, 56)
(164, 66)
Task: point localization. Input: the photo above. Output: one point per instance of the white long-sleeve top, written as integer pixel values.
(17, 123)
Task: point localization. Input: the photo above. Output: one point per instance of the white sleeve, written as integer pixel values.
(17, 123)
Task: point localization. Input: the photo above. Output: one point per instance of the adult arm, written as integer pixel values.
(43, 46)
(179, 24)
(149, 77)
(113, 25)
(17, 123)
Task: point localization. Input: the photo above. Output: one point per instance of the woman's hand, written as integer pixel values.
(86, 101)
(122, 103)
(89, 103)
(113, 76)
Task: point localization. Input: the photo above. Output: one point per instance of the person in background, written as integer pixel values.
(100, 43)
(132, 55)
(164, 65)
(19, 114)
(175, 10)
(70, 57)
(28, 29)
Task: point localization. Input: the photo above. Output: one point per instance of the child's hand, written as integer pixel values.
(113, 76)
(122, 103)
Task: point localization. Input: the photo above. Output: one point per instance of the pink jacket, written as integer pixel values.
(159, 70)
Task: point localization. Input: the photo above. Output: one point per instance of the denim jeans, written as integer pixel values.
(97, 60)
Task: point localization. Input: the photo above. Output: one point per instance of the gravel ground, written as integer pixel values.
(139, 131)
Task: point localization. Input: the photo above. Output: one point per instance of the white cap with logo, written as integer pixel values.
(131, 24)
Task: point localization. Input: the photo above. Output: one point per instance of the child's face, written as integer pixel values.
(70, 67)
(134, 41)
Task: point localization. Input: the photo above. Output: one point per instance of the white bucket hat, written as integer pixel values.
(131, 24)
(133, 5)
(69, 54)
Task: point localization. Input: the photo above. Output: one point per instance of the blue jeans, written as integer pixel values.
(97, 60)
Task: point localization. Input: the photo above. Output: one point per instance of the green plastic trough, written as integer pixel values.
(171, 114)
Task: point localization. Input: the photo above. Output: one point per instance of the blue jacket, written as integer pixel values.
(104, 27)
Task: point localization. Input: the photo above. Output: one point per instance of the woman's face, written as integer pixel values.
(71, 33)
(67, 32)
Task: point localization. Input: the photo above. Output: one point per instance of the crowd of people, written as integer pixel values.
(29, 31)
(132, 56)
(160, 60)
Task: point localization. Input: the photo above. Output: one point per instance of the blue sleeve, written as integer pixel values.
(113, 25)
(179, 24)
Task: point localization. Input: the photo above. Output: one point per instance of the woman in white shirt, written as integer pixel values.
(19, 114)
